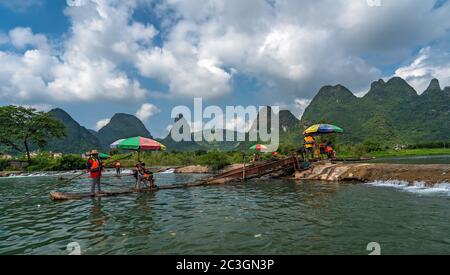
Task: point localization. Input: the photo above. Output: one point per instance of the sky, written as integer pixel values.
(95, 58)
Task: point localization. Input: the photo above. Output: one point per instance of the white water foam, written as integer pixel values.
(416, 187)
(39, 174)
(170, 171)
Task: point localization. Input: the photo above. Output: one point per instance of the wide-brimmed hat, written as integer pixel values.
(94, 152)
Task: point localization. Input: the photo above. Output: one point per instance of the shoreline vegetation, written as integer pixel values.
(214, 161)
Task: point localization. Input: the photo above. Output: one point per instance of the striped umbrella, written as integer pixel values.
(116, 143)
(258, 147)
(140, 144)
(322, 129)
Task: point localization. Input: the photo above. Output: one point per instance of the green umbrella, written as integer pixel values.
(104, 156)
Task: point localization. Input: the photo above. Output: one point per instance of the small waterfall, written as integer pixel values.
(416, 187)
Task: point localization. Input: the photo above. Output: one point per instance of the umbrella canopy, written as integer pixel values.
(116, 143)
(258, 147)
(322, 129)
(140, 144)
(104, 156)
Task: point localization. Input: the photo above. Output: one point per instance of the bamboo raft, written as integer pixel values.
(236, 175)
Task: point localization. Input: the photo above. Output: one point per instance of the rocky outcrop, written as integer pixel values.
(429, 174)
(193, 169)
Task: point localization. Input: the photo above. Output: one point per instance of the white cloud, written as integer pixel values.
(428, 64)
(102, 123)
(291, 47)
(24, 37)
(239, 124)
(38, 107)
(300, 105)
(146, 111)
(169, 128)
(186, 75)
(86, 67)
(297, 106)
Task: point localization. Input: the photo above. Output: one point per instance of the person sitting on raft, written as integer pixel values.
(322, 148)
(256, 157)
(94, 166)
(329, 150)
(143, 176)
(148, 177)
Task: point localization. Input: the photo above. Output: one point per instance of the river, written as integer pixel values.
(261, 217)
(437, 159)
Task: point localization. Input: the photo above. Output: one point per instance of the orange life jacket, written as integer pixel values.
(309, 142)
(95, 165)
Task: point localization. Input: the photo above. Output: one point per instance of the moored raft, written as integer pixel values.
(60, 196)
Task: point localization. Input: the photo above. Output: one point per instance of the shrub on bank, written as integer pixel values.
(70, 162)
(430, 145)
(3, 164)
(215, 160)
(46, 162)
(42, 162)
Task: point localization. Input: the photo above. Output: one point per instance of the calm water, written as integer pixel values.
(272, 217)
(439, 159)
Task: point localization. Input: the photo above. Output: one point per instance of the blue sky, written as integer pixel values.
(146, 56)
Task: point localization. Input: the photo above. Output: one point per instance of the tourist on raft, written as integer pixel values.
(256, 157)
(143, 176)
(94, 166)
(118, 167)
(138, 173)
(310, 144)
(329, 150)
(149, 178)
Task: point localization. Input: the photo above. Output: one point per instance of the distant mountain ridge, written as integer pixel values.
(122, 126)
(78, 140)
(391, 112)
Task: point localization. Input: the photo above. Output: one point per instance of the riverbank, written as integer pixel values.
(399, 153)
(369, 172)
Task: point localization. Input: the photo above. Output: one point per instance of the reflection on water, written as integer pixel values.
(98, 217)
(259, 217)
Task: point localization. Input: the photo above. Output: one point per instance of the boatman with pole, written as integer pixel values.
(95, 167)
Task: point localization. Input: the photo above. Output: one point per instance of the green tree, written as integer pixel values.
(22, 127)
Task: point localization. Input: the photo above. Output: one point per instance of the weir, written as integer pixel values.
(287, 167)
(369, 172)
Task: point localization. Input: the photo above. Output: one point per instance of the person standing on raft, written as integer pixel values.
(118, 167)
(310, 144)
(95, 167)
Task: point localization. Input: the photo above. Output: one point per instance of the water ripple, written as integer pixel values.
(265, 217)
